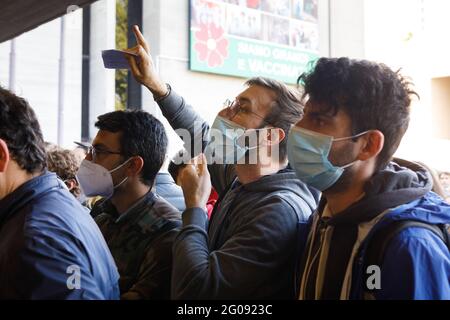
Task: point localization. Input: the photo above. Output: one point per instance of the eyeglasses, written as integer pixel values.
(235, 107)
(94, 151)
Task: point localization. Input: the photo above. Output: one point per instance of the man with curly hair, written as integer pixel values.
(65, 164)
(378, 232)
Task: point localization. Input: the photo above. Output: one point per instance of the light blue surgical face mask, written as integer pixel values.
(308, 153)
(226, 145)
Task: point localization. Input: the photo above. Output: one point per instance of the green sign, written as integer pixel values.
(253, 39)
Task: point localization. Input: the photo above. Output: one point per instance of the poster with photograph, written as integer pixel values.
(244, 23)
(277, 7)
(276, 29)
(304, 36)
(253, 4)
(246, 38)
(205, 13)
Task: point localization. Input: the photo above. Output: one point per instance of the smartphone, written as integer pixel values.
(115, 59)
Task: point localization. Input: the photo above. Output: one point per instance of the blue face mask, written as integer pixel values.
(308, 153)
(226, 145)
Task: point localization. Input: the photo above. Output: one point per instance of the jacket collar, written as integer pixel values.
(26, 192)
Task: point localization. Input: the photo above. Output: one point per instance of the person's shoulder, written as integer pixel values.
(417, 245)
(57, 208)
(436, 201)
(58, 217)
(155, 216)
(163, 209)
(158, 225)
(274, 212)
(417, 235)
(286, 185)
(288, 204)
(430, 209)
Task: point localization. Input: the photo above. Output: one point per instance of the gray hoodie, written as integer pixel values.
(249, 248)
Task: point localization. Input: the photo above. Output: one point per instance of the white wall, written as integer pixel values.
(4, 63)
(347, 28)
(437, 42)
(37, 60)
(412, 35)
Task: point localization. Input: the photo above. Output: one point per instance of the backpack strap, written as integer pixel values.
(381, 239)
(446, 233)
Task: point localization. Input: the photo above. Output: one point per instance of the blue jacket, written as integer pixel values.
(416, 262)
(50, 246)
(167, 189)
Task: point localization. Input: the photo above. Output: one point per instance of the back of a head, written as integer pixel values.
(21, 132)
(141, 135)
(371, 94)
(65, 164)
(286, 110)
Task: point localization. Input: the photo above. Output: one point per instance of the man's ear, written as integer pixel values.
(275, 136)
(372, 145)
(71, 183)
(135, 167)
(4, 156)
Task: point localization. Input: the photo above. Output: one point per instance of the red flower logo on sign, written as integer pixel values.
(211, 45)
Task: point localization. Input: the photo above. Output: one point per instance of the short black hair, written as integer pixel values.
(371, 94)
(20, 129)
(141, 135)
(286, 110)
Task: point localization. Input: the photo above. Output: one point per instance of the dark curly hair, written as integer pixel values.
(371, 94)
(142, 135)
(20, 129)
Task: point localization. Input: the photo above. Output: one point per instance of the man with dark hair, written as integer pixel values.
(139, 226)
(50, 247)
(378, 232)
(247, 250)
